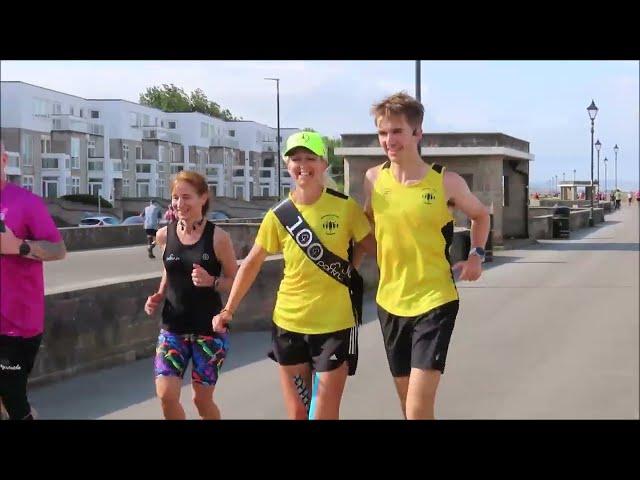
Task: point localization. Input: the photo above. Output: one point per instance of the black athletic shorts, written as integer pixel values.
(17, 356)
(324, 351)
(418, 342)
(151, 232)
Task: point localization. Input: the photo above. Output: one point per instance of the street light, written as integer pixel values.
(605, 179)
(593, 111)
(574, 175)
(598, 146)
(615, 149)
(279, 160)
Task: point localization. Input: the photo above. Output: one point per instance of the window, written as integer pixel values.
(232, 133)
(57, 108)
(75, 153)
(213, 189)
(468, 177)
(160, 187)
(50, 162)
(142, 189)
(265, 191)
(133, 119)
(68, 185)
(505, 191)
(125, 152)
(75, 184)
(71, 110)
(204, 130)
(91, 148)
(176, 168)
(95, 114)
(125, 187)
(40, 107)
(238, 172)
(160, 168)
(206, 156)
(171, 124)
(27, 182)
(81, 114)
(238, 191)
(138, 153)
(117, 165)
(172, 155)
(143, 168)
(95, 166)
(45, 145)
(125, 165)
(145, 121)
(27, 150)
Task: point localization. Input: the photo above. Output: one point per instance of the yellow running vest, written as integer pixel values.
(310, 301)
(414, 230)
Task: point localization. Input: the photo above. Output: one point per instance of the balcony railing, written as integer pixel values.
(159, 133)
(66, 122)
(222, 141)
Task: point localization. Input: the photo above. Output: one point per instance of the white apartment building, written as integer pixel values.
(60, 144)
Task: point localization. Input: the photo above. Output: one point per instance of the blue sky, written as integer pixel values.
(542, 102)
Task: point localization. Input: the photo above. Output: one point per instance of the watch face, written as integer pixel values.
(24, 249)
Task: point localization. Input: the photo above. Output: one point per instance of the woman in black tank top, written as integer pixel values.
(199, 262)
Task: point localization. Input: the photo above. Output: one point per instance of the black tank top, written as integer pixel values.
(189, 309)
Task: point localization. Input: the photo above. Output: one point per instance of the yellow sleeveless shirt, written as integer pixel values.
(414, 230)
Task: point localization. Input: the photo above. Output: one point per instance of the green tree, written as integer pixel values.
(174, 99)
(168, 98)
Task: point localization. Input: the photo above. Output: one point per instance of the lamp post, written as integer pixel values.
(592, 110)
(605, 179)
(598, 147)
(279, 160)
(615, 149)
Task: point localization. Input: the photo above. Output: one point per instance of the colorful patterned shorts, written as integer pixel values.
(174, 351)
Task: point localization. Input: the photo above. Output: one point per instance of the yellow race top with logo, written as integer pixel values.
(414, 230)
(310, 301)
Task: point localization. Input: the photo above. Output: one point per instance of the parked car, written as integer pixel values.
(98, 221)
(217, 215)
(135, 220)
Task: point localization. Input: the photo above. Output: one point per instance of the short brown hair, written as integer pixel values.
(399, 104)
(197, 181)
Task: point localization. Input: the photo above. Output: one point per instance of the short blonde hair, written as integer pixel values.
(399, 104)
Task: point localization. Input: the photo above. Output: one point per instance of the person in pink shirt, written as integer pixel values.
(28, 237)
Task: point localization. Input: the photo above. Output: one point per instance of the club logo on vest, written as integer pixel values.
(428, 195)
(330, 224)
(172, 258)
(205, 256)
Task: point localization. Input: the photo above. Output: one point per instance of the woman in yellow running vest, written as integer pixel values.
(417, 297)
(313, 320)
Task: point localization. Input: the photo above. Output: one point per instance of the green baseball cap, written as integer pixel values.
(309, 140)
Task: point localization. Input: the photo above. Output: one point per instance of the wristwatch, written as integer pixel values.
(479, 251)
(24, 249)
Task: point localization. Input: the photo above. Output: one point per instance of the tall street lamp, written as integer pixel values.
(615, 149)
(279, 160)
(593, 111)
(605, 178)
(598, 147)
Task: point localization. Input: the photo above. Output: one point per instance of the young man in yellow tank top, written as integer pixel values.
(407, 200)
